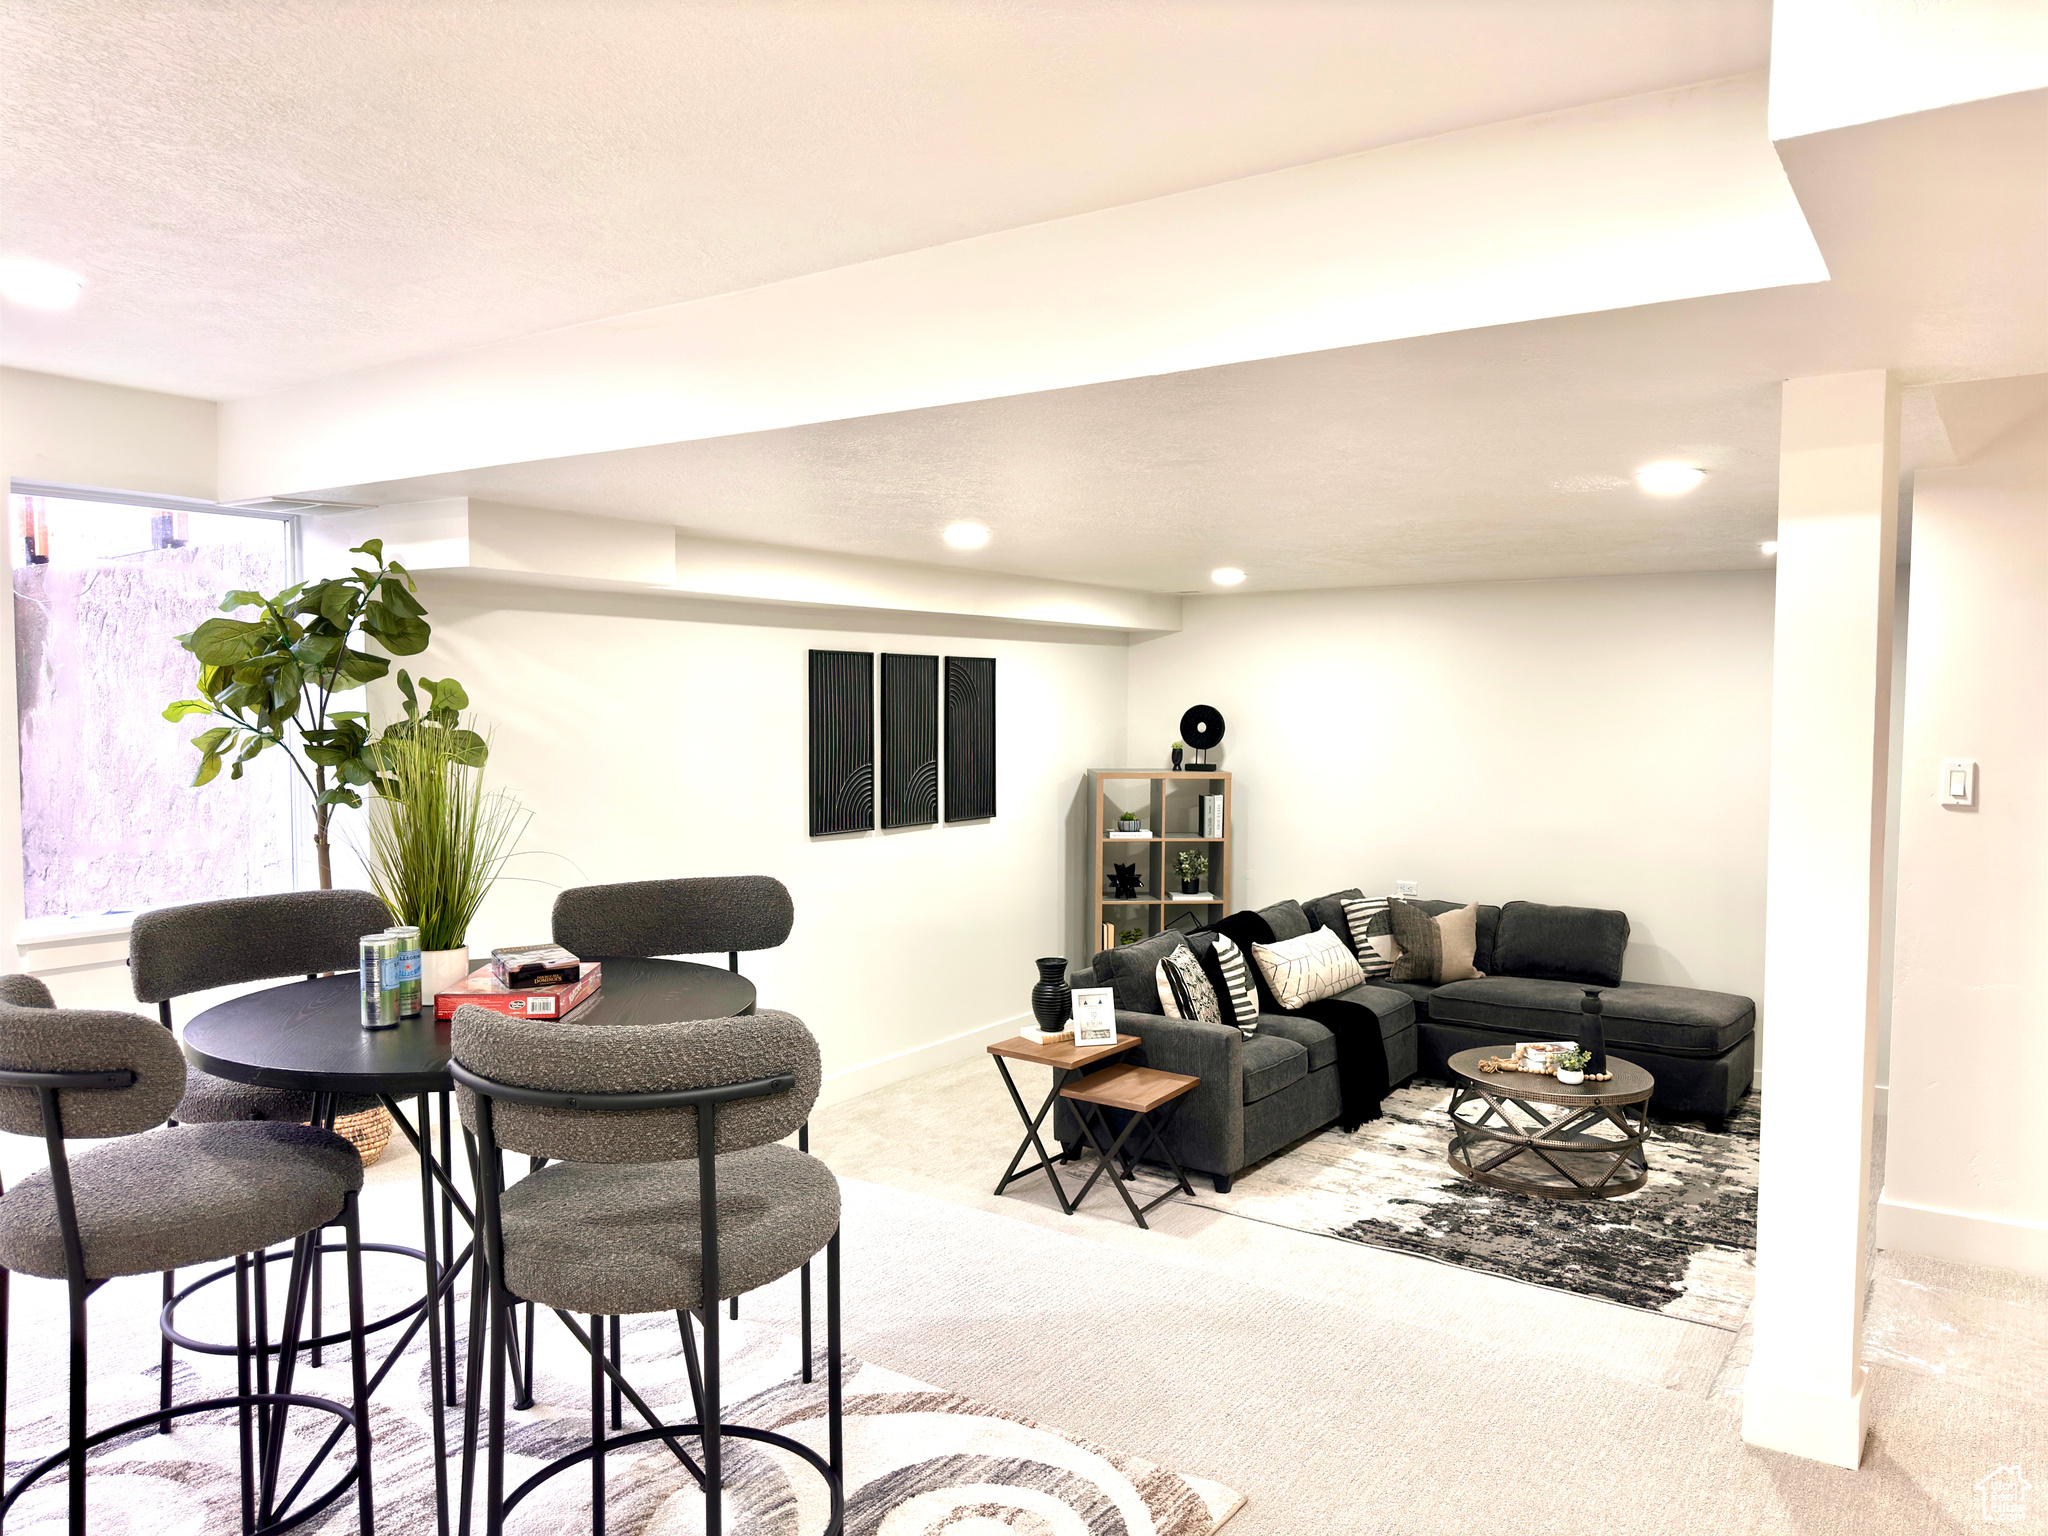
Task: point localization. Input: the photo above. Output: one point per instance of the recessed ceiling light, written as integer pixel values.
(38, 284)
(1669, 479)
(1769, 546)
(967, 535)
(1226, 576)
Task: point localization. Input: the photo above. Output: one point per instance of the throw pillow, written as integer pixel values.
(1307, 969)
(1372, 934)
(1434, 950)
(1239, 1001)
(1184, 992)
(1129, 970)
(1581, 944)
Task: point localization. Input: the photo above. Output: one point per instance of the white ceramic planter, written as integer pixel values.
(440, 970)
(1569, 1079)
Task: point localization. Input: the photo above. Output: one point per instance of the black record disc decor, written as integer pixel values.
(1202, 729)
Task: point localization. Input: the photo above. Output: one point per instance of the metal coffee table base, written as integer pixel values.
(1578, 1152)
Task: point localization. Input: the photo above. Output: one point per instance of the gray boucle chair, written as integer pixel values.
(177, 951)
(195, 1194)
(640, 919)
(695, 915)
(666, 1190)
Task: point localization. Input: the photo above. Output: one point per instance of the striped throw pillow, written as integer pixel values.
(1237, 982)
(1307, 969)
(1372, 935)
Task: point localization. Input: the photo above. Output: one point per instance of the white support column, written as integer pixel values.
(1830, 728)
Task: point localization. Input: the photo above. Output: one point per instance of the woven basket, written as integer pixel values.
(368, 1132)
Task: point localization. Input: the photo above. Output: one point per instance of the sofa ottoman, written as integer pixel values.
(1700, 1046)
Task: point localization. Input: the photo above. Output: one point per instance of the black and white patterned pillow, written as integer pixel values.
(1372, 935)
(1184, 991)
(1237, 984)
(1307, 969)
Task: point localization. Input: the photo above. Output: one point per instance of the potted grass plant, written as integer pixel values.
(1571, 1066)
(438, 839)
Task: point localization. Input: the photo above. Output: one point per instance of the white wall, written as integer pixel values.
(658, 736)
(1592, 743)
(1966, 1163)
(76, 432)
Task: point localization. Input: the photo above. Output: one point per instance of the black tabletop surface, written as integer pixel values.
(309, 1035)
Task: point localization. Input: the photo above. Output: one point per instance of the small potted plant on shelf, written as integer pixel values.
(1128, 822)
(1130, 936)
(1194, 864)
(1179, 747)
(1571, 1066)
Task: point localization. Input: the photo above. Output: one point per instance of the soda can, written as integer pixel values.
(378, 971)
(408, 970)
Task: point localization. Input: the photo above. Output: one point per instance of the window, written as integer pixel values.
(109, 820)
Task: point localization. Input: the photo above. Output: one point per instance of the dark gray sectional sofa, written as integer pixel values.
(1260, 1094)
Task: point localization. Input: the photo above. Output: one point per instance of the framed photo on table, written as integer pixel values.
(1094, 1016)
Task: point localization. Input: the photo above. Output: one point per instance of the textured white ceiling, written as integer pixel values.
(1484, 454)
(261, 192)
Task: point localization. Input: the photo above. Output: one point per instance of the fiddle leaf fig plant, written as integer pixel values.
(270, 681)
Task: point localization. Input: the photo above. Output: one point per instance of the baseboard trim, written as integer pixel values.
(852, 1082)
(1823, 1429)
(1961, 1237)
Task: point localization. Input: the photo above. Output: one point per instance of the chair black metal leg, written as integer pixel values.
(804, 1306)
(319, 1268)
(243, 1425)
(76, 1284)
(435, 1345)
(304, 1250)
(453, 1391)
(597, 1386)
(6, 1284)
(833, 1403)
(617, 1423)
(472, 1404)
(690, 1364)
(163, 1365)
(359, 1379)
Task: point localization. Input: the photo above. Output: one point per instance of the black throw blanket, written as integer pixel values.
(1361, 1048)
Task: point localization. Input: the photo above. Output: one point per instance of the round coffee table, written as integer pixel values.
(1532, 1135)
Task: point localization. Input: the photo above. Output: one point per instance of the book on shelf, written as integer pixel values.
(1141, 835)
(1212, 815)
(1108, 936)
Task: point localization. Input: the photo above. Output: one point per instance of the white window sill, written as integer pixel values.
(42, 932)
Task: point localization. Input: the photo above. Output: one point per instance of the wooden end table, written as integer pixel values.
(1138, 1091)
(1064, 1059)
(1588, 1150)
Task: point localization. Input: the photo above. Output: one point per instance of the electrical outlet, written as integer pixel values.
(1407, 888)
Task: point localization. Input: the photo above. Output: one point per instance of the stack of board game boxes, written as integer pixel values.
(528, 981)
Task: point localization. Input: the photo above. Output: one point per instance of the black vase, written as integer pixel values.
(1176, 759)
(1592, 1030)
(1052, 1000)
(1190, 887)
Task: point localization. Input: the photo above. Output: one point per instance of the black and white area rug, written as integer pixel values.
(1683, 1245)
(920, 1461)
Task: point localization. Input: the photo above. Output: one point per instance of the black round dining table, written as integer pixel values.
(308, 1035)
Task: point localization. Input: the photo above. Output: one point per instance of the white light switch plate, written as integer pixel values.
(1959, 781)
(1407, 888)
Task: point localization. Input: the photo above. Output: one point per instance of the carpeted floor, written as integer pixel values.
(1683, 1245)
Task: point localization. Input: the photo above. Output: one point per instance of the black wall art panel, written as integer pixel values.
(842, 742)
(970, 737)
(910, 740)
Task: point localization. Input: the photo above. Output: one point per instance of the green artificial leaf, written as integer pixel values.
(447, 694)
(183, 707)
(353, 770)
(347, 714)
(228, 642)
(356, 668)
(209, 742)
(242, 598)
(337, 603)
(326, 756)
(374, 548)
(346, 797)
(468, 748)
(286, 681)
(399, 600)
(405, 689)
(252, 746)
(209, 768)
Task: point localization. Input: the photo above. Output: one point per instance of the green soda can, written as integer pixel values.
(378, 971)
(408, 970)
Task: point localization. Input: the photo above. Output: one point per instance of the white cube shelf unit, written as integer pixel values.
(1169, 806)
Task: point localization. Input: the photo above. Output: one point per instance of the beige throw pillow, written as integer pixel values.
(1437, 949)
(1307, 969)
